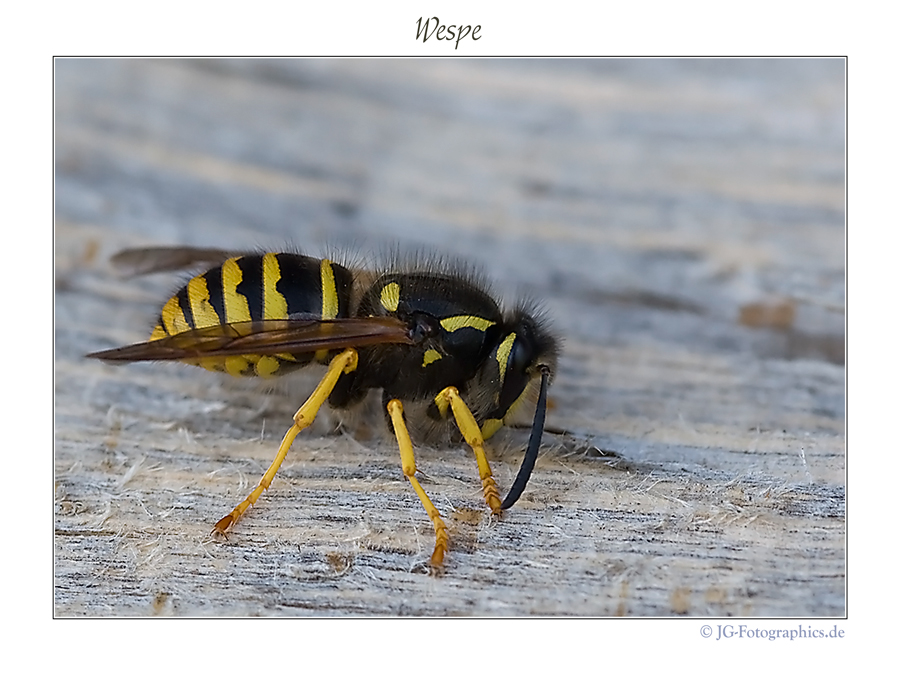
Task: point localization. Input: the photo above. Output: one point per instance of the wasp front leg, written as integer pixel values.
(465, 420)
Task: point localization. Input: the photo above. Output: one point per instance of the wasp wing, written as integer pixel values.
(134, 262)
(271, 336)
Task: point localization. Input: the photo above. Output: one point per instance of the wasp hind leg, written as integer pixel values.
(408, 460)
(345, 362)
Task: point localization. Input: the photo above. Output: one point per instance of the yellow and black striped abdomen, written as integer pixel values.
(253, 288)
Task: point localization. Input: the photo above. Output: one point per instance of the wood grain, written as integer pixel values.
(683, 224)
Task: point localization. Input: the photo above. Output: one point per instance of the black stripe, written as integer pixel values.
(214, 286)
(251, 286)
(300, 284)
(343, 283)
(185, 304)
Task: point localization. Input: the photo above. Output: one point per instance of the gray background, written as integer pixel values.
(681, 220)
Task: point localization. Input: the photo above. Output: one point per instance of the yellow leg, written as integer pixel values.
(408, 460)
(344, 362)
(465, 420)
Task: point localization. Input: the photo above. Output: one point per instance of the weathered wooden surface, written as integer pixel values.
(682, 220)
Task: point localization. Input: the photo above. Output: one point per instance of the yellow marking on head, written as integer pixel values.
(490, 427)
(274, 303)
(431, 356)
(329, 291)
(198, 296)
(493, 425)
(503, 354)
(267, 366)
(390, 297)
(158, 332)
(517, 403)
(236, 307)
(173, 318)
(452, 323)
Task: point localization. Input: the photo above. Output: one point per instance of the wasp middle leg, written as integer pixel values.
(408, 460)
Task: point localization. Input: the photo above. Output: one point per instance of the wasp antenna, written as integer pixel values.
(534, 445)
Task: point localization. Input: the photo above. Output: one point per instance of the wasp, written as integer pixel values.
(425, 332)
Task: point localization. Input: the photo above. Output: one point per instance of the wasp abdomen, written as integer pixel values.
(253, 288)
